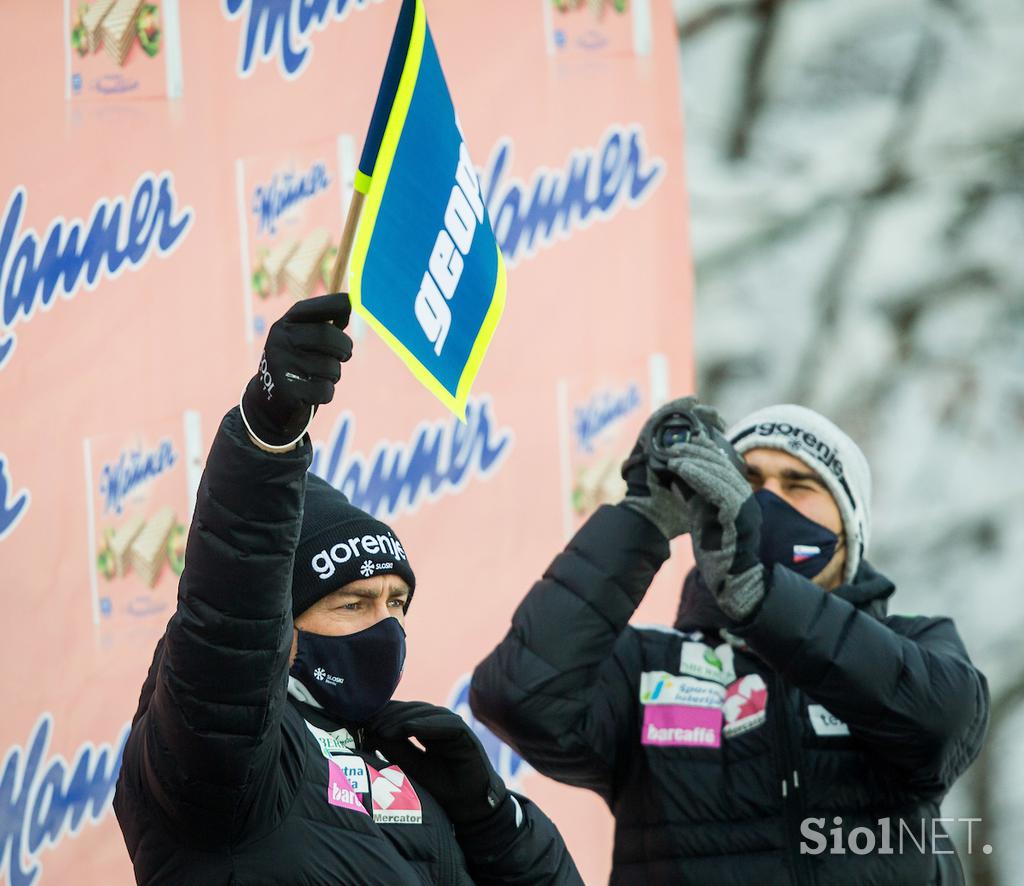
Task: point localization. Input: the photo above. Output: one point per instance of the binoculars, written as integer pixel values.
(671, 436)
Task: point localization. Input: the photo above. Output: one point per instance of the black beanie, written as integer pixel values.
(338, 544)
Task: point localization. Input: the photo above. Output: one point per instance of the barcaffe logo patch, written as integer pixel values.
(682, 726)
(701, 661)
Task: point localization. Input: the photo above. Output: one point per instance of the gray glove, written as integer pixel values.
(727, 533)
(673, 513)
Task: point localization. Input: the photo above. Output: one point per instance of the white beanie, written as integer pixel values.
(827, 451)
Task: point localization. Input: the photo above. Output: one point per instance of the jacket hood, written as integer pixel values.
(698, 610)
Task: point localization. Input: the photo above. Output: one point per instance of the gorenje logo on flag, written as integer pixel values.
(447, 258)
(426, 271)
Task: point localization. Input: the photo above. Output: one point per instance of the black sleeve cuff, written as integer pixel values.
(486, 839)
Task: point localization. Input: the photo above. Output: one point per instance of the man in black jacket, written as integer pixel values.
(266, 749)
(787, 730)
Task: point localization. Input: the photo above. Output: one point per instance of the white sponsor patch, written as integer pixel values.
(824, 722)
(355, 771)
(662, 688)
(331, 743)
(701, 661)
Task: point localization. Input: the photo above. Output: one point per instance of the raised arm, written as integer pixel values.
(206, 737)
(905, 687)
(560, 688)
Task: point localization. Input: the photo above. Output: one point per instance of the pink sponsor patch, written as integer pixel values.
(340, 791)
(394, 798)
(682, 726)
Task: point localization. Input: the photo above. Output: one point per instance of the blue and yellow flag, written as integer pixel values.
(426, 271)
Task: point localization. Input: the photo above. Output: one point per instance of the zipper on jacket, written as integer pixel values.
(789, 787)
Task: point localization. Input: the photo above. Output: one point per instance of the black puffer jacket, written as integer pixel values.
(228, 780)
(714, 754)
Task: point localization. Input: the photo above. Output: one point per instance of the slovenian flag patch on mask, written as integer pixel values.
(802, 553)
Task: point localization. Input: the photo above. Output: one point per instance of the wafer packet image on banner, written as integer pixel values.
(596, 29)
(141, 492)
(122, 49)
(291, 210)
(599, 419)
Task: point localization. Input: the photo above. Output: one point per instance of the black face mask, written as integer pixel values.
(353, 676)
(790, 538)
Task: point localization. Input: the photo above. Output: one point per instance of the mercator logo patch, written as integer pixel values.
(746, 701)
(394, 798)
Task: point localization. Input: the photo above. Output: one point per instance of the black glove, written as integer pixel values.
(454, 765)
(300, 365)
(673, 511)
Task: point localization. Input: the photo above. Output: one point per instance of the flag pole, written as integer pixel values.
(348, 236)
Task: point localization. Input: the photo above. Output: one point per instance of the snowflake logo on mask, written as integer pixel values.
(319, 673)
(366, 569)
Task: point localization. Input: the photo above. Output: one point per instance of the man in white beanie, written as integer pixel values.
(807, 455)
(787, 729)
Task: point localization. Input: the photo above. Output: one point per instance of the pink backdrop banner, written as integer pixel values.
(172, 179)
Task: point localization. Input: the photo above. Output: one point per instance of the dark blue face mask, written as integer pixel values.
(790, 538)
(353, 676)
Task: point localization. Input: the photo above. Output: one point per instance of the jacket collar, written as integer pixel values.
(315, 716)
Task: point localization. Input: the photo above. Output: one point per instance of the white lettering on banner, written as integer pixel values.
(283, 28)
(440, 458)
(121, 233)
(42, 799)
(594, 185)
(824, 722)
(465, 210)
(13, 505)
